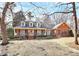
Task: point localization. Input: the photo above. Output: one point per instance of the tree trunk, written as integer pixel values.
(75, 19)
(3, 25)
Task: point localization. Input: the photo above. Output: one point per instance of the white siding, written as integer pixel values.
(45, 33)
(38, 33)
(48, 32)
(15, 34)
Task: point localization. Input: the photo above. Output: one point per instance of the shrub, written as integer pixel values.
(10, 33)
(0, 38)
(71, 33)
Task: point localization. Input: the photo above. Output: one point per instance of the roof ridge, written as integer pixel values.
(58, 25)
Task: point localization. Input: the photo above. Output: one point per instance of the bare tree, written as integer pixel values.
(3, 25)
(58, 17)
(74, 16)
(75, 21)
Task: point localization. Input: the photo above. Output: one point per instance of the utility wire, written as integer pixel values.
(21, 6)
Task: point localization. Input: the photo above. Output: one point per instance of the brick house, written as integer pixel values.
(29, 28)
(61, 30)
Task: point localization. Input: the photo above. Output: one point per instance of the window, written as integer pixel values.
(26, 25)
(22, 23)
(31, 24)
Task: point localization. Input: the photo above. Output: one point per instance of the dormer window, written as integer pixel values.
(30, 24)
(22, 23)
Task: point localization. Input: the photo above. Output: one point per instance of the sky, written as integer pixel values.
(26, 6)
(47, 7)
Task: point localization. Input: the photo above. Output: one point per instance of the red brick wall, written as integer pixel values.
(61, 31)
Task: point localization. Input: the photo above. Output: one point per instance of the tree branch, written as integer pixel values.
(61, 12)
(11, 3)
(64, 4)
(36, 5)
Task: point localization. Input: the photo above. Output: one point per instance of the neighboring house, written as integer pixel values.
(61, 30)
(29, 28)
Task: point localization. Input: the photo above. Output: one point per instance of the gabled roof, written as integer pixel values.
(19, 15)
(55, 27)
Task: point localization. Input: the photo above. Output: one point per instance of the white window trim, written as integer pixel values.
(30, 24)
(38, 24)
(22, 23)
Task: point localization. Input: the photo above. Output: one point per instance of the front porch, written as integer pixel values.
(31, 33)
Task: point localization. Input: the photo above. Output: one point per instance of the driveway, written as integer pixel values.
(52, 47)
